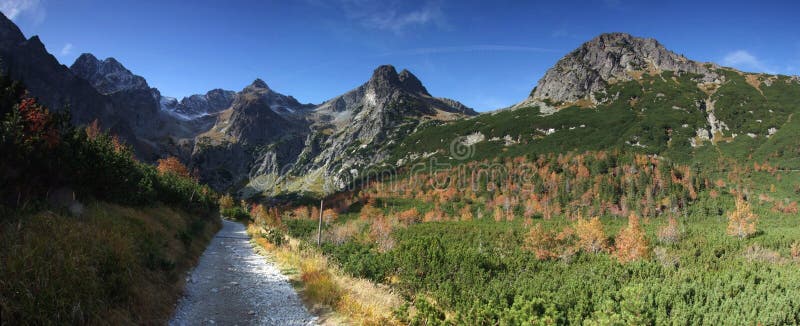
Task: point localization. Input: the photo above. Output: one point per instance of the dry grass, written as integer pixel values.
(754, 80)
(327, 291)
(756, 252)
(114, 265)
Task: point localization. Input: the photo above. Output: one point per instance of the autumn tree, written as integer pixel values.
(409, 216)
(742, 221)
(670, 233)
(226, 202)
(380, 231)
(550, 245)
(172, 165)
(466, 213)
(93, 130)
(499, 214)
(370, 212)
(540, 242)
(631, 242)
(329, 216)
(263, 216)
(591, 236)
(259, 214)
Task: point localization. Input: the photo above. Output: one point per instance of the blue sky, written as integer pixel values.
(485, 54)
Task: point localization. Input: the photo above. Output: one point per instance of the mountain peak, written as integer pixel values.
(259, 83)
(607, 59)
(86, 58)
(9, 32)
(386, 76)
(385, 73)
(411, 83)
(107, 76)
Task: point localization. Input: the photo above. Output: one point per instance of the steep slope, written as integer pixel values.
(354, 132)
(270, 142)
(199, 105)
(158, 132)
(107, 76)
(27, 61)
(605, 60)
(258, 118)
(622, 92)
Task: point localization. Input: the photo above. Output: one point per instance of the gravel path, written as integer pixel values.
(233, 285)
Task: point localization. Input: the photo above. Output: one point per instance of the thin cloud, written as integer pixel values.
(66, 50)
(744, 60)
(14, 9)
(393, 15)
(470, 48)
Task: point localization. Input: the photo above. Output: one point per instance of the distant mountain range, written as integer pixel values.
(615, 91)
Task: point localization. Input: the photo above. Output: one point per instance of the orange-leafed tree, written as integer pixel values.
(591, 236)
(466, 213)
(329, 216)
(370, 212)
(226, 202)
(631, 242)
(262, 216)
(37, 123)
(499, 214)
(742, 221)
(93, 130)
(409, 216)
(259, 214)
(540, 242)
(172, 165)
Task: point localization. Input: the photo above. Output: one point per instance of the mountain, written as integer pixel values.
(607, 59)
(157, 131)
(198, 105)
(28, 61)
(107, 76)
(257, 117)
(268, 140)
(620, 92)
(615, 91)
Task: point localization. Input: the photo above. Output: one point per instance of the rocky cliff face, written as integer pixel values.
(211, 102)
(53, 84)
(293, 146)
(258, 118)
(607, 59)
(56, 86)
(107, 76)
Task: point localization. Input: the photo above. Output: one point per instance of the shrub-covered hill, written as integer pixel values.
(88, 234)
(748, 116)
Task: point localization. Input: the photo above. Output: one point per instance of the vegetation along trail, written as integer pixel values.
(234, 285)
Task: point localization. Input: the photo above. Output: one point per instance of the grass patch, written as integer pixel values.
(326, 290)
(113, 265)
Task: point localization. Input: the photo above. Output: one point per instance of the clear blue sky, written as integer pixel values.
(486, 54)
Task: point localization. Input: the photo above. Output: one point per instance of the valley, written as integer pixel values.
(632, 186)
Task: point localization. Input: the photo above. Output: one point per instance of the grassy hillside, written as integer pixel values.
(88, 234)
(655, 114)
(515, 253)
(113, 265)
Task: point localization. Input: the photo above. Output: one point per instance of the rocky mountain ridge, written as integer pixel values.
(605, 60)
(258, 141)
(304, 143)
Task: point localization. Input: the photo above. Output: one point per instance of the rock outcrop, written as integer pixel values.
(286, 144)
(607, 59)
(107, 76)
